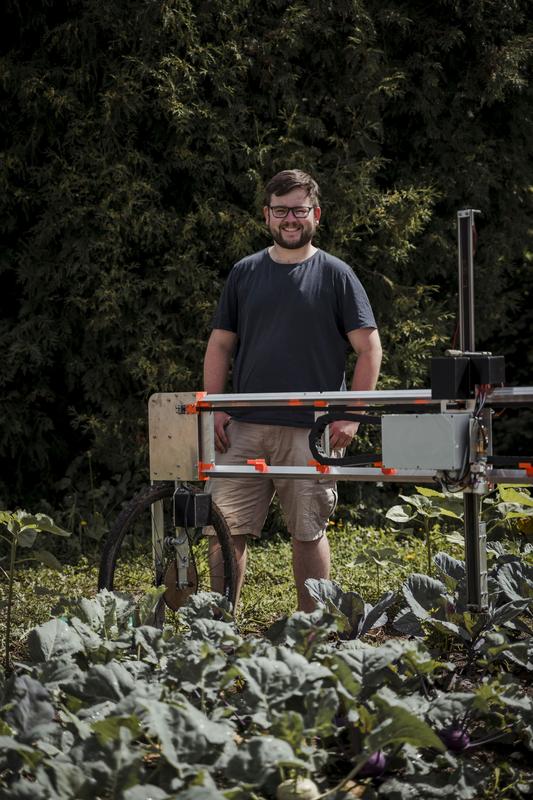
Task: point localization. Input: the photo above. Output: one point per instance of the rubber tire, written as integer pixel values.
(133, 512)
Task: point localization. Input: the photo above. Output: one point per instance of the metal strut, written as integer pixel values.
(477, 594)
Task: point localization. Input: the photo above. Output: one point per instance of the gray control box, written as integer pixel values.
(425, 441)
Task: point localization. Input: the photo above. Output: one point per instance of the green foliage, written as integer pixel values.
(356, 618)
(441, 605)
(20, 529)
(202, 710)
(422, 510)
(380, 558)
(136, 138)
(207, 712)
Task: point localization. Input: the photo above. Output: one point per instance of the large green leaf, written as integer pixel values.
(511, 495)
(26, 527)
(516, 579)
(30, 711)
(400, 726)
(108, 729)
(399, 514)
(259, 759)
(450, 566)
(448, 708)
(53, 639)
(304, 632)
(509, 611)
(149, 791)
(103, 682)
(370, 666)
(112, 765)
(360, 617)
(57, 777)
(186, 734)
(148, 603)
(109, 614)
(464, 782)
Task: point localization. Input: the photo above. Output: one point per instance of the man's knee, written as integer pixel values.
(309, 537)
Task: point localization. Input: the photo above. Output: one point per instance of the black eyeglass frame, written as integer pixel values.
(275, 210)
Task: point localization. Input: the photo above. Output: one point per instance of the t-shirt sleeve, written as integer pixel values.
(226, 314)
(356, 311)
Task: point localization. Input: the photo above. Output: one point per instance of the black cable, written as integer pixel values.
(316, 432)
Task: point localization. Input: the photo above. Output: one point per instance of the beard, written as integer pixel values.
(293, 244)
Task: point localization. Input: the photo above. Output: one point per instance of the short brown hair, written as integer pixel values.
(289, 179)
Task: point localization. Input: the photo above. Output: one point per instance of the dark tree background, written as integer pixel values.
(136, 136)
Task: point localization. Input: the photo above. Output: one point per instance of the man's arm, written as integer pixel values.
(220, 349)
(367, 345)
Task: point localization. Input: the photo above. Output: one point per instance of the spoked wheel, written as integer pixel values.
(128, 556)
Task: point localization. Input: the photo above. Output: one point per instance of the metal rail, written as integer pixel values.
(501, 396)
(369, 474)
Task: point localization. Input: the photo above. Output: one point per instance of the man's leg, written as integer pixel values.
(307, 506)
(243, 502)
(215, 558)
(309, 560)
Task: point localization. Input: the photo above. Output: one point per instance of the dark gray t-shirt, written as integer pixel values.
(291, 321)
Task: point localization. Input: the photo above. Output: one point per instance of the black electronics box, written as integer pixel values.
(450, 378)
(456, 377)
(487, 369)
(192, 510)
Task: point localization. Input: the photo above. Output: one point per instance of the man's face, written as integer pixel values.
(291, 232)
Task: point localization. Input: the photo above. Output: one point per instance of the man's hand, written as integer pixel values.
(221, 438)
(341, 433)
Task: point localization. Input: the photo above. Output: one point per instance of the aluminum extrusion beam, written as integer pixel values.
(371, 474)
(500, 396)
(391, 397)
(466, 244)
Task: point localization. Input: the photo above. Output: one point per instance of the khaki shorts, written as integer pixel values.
(306, 503)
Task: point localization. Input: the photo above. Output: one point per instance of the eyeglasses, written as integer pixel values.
(300, 212)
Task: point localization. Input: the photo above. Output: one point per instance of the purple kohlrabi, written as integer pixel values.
(374, 766)
(455, 738)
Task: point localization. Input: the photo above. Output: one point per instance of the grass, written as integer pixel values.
(268, 591)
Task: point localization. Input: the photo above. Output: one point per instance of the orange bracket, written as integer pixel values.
(192, 408)
(528, 468)
(295, 402)
(259, 464)
(318, 466)
(389, 470)
(203, 467)
(377, 464)
(320, 404)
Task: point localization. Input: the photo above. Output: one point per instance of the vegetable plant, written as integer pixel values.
(20, 529)
(379, 557)
(421, 511)
(201, 711)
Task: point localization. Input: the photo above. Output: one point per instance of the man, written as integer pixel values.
(287, 316)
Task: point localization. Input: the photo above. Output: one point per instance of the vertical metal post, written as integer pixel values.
(475, 553)
(466, 246)
(158, 536)
(474, 528)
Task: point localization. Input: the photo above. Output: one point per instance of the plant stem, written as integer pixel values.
(10, 601)
(428, 543)
(91, 481)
